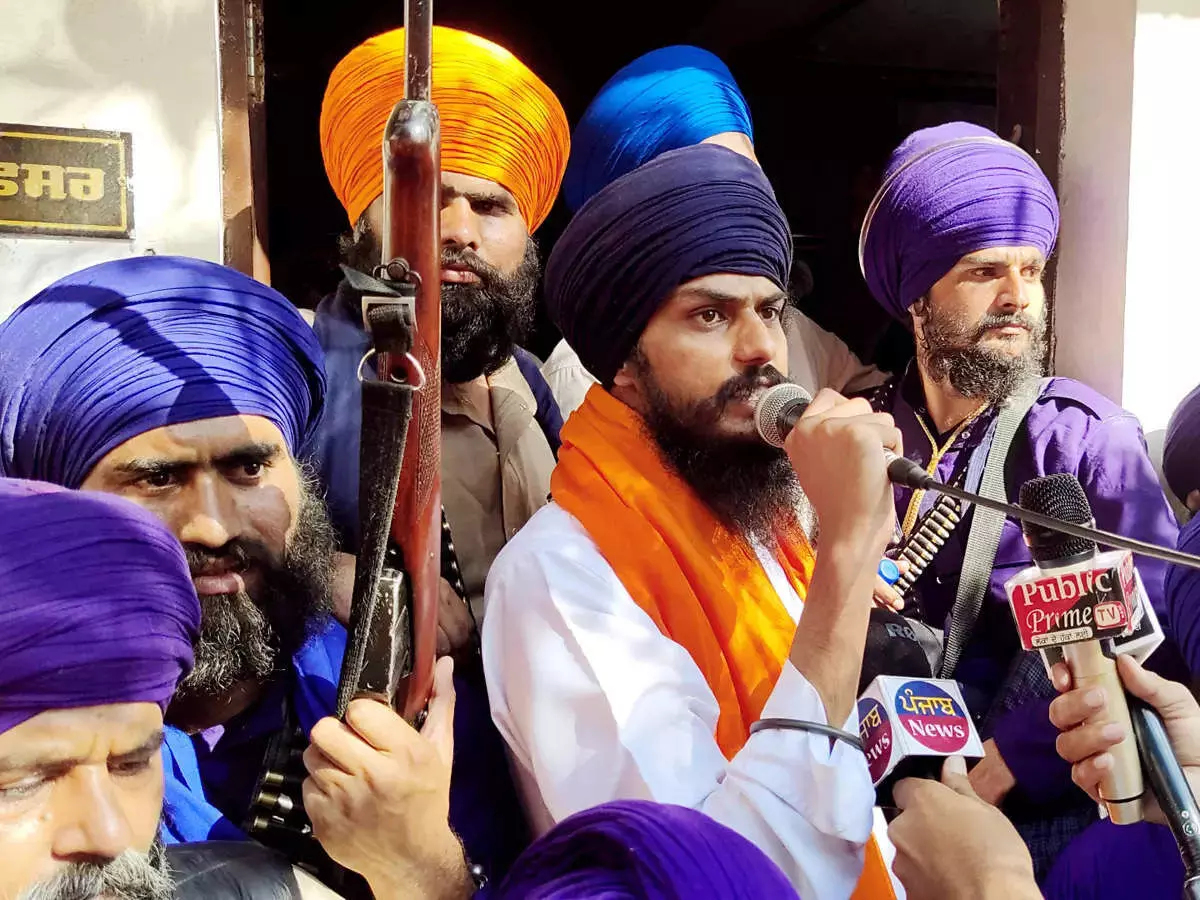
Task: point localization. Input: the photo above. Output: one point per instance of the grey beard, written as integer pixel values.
(951, 353)
(131, 876)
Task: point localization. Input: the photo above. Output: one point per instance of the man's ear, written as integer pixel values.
(626, 386)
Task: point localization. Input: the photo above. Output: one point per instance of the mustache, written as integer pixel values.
(462, 257)
(746, 384)
(1018, 319)
(239, 554)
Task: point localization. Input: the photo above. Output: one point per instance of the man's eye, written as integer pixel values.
(709, 316)
(130, 767)
(770, 313)
(252, 469)
(21, 789)
(158, 479)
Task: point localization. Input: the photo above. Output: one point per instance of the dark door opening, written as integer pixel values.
(833, 85)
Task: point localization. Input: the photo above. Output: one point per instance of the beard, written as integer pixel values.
(748, 484)
(245, 638)
(953, 352)
(482, 323)
(130, 876)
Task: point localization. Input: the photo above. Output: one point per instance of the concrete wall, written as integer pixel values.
(149, 67)
(1128, 296)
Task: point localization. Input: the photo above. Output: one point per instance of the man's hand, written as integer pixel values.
(1085, 744)
(950, 844)
(991, 778)
(456, 628)
(378, 795)
(836, 449)
(886, 595)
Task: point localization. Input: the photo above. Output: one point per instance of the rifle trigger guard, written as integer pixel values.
(414, 376)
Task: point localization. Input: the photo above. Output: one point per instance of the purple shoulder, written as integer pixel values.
(1067, 393)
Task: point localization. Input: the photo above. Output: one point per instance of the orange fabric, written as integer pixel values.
(499, 121)
(702, 584)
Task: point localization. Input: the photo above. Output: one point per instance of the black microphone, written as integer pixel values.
(909, 722)
(779, 408)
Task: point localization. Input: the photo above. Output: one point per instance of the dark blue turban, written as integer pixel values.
(125, 347)
(96, 603)
(637, 850)
(667, 99)
(693, 212)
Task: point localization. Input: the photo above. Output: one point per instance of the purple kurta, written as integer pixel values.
(1071, 428)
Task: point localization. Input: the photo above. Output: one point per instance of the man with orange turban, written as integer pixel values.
(504, 148)
(505, 143)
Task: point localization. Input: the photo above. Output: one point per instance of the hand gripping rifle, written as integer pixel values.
(393, 614)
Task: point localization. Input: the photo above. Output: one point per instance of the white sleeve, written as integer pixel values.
(596, 704)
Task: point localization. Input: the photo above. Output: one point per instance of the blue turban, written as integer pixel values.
(637, 850)
(1181, 447)
(125, 347)
(947, 192)
(693, 212)
(667, 99)
(96, 603)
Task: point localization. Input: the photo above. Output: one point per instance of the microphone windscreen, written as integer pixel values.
(892, 648)
(1063, 497)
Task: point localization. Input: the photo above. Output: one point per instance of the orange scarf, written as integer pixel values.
(702, 584)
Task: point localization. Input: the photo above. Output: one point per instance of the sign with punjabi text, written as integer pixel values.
(65, 181)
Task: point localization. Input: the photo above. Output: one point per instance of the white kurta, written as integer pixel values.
(596, 704)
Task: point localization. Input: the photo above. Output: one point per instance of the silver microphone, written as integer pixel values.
(780, 407)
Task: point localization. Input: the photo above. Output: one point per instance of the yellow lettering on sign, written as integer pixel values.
(8, 178)
(40, 179)
(85, 184)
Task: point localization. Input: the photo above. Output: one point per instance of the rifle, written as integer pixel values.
(393, 617)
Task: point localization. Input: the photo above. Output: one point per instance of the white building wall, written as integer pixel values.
(148, 67)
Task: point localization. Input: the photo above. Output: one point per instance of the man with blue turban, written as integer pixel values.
(97, 619)
(670, 98)
(954, 244)
(650, 611)
(191, 390)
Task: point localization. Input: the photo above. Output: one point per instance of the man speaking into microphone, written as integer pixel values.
(661, 630)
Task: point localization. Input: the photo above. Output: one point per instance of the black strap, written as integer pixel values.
(983, 539)
(386, 412)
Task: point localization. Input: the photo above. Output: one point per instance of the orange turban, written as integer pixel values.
(499, 121)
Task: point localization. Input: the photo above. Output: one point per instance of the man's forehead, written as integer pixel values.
(1003, 256)
(83, 733)
(200, 440)
(458, 183)
(729, 286)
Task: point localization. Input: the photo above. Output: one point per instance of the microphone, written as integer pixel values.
(1076, 600)
(908, 721)
(780, 407)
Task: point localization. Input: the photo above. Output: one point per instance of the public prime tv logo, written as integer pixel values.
(1089, 602)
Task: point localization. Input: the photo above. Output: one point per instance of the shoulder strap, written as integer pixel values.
(984, 537)
(548, 415)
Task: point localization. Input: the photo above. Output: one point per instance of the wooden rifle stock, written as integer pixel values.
(412, 187)
(393, 622)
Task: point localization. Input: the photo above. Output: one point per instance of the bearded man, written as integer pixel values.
(504, 147)
(956, 243)
(666, 99)
(650, 612)
(189, 388)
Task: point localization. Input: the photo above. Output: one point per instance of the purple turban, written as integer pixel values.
(125, 347)
(634, 849)
(1181, 447)
(688, 213)
(96, 603)
(947, 192)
